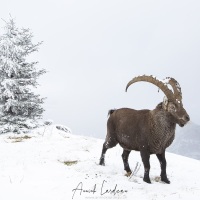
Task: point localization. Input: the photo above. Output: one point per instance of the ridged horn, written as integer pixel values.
(169, 94)
(176, 87)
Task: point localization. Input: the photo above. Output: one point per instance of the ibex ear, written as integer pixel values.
(165, 102)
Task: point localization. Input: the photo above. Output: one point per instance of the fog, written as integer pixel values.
(92, 49)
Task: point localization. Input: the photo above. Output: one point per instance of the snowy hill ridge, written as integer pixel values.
(187, 141)
(54, 164)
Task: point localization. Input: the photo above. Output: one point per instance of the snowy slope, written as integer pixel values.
(187, 141)
(52, 164)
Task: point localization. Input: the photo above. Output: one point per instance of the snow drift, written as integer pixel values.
(54, 164)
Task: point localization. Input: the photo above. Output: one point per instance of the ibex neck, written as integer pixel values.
(162, 130)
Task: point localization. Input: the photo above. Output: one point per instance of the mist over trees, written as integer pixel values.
(20, 107)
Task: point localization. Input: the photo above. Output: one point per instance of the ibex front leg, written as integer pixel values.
(163, 164)
(145, 159)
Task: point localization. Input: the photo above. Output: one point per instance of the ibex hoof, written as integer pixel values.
(128, 174)
(147, 180)
(102, 163)
(166, 180)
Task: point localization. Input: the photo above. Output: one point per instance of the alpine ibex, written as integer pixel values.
(147, 131)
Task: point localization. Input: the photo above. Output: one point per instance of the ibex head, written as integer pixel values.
(172, 102)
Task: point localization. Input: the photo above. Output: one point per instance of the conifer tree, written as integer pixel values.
(20, 107)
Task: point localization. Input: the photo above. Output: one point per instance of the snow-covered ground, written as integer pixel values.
(55, 165)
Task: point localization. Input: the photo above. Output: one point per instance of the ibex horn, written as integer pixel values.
(169, 94)
(177, 89)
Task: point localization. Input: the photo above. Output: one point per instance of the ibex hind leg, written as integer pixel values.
(125, 156)
(107, 145)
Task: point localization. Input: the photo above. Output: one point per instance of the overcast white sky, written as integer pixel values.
(93, 48)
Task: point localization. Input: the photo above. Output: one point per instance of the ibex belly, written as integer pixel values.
(127, 142)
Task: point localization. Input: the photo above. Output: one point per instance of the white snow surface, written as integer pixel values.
(33, 168)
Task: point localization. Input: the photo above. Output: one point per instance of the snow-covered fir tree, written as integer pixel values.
(20, 107)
